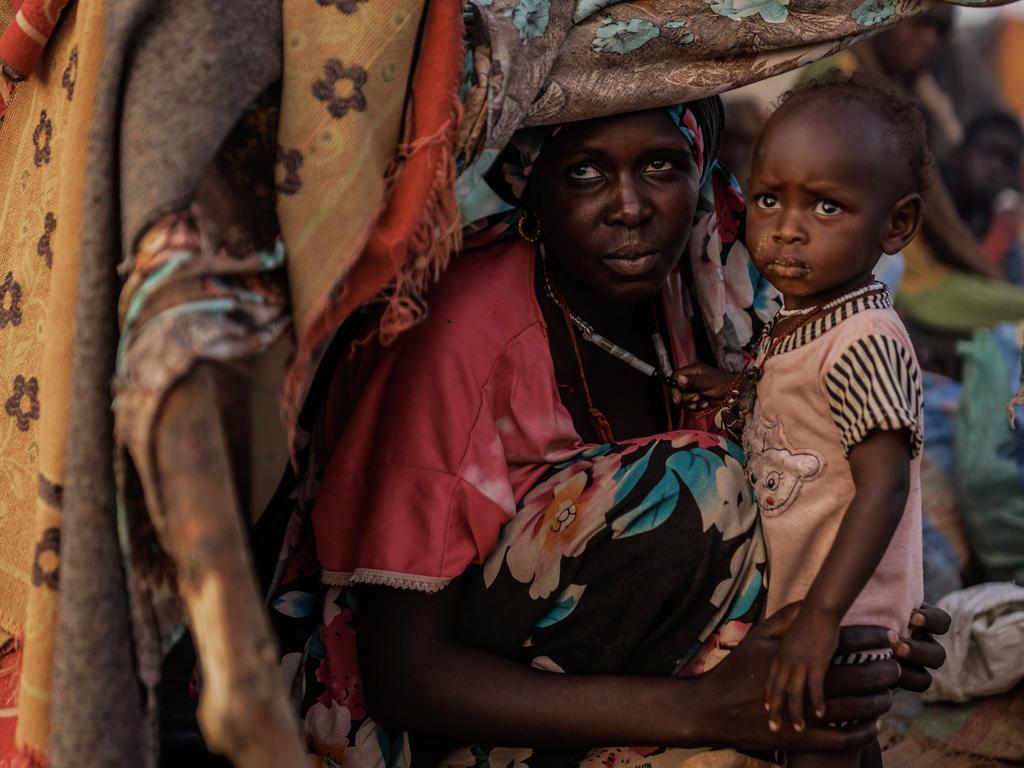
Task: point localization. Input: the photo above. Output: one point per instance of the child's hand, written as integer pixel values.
(700, 386)
(804, 656)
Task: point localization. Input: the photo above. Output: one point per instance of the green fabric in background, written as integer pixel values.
(989, 456)
(962, 303)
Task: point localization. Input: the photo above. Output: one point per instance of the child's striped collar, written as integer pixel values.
(808, 332)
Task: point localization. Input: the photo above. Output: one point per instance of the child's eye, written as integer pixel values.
(826, 208)
(767, 201)
(659, 166)
(584, 171)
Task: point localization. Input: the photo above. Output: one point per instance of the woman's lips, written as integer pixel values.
(631, 264)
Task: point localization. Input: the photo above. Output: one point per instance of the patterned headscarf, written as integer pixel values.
(733, 298)
(493, 204)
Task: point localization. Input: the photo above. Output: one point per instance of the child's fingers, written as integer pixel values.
(776, 699)
(795, 697)
(692, 376)
(816, 690)
(686, 380)
(769, 681)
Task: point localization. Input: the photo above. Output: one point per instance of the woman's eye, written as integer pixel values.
(767, 201)
(584, 171)
(659, 166)
(826, 208)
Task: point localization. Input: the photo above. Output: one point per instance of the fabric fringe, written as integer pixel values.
(418, 227)
(10, 679)
(6, 94)
(20, 755)
(433, 240)
(27, 757)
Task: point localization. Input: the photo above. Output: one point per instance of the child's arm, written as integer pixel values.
(880, 465)
(698, 386)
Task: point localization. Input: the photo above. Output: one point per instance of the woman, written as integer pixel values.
(525, 549)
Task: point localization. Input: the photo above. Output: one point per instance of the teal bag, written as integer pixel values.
(989, 456)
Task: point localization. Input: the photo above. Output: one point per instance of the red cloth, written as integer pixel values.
(10, 667)
(22, 43)
(447, 429)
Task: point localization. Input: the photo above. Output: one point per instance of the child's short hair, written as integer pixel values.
(888, 101)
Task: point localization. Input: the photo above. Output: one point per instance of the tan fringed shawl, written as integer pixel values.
(340, 122)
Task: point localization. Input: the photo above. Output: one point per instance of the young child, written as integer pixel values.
(833, 433)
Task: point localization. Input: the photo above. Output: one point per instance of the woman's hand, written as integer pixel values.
(699, 386)
(914, 655)
(919, 652)
(734, 694)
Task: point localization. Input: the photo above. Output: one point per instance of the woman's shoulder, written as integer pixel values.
(487, 295)
(482, 308)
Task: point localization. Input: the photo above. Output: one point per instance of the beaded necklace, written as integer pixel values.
(662, 371)
(740, 403)
(870, 286)
(574, 322)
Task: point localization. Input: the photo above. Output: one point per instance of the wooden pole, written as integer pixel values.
(244, 710)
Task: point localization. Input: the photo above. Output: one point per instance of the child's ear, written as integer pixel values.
(904, 221)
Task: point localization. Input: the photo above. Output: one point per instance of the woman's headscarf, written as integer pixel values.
(702, 123)
(733, 298)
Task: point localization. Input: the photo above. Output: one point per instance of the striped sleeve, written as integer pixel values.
(876, 384)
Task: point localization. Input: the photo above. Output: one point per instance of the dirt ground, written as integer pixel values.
(988, 732)
(916, 752)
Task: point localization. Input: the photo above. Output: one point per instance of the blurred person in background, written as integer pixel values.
(949, 287)
(984, 176)
(983, 69)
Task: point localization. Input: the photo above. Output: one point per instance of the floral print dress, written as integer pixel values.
(456, 459)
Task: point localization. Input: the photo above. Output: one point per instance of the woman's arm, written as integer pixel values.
(880, 466)
(416, 678)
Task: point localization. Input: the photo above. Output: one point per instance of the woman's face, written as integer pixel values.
(615, 198)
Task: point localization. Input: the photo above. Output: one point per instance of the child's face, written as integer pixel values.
(821, 200)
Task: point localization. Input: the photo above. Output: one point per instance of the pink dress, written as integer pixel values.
(825, 389)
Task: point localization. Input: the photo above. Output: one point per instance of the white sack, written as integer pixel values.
(985, 645)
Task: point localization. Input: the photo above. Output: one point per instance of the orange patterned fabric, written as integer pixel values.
(43, 145)
(340, 121)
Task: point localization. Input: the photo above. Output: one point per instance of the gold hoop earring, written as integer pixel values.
(533, 236)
